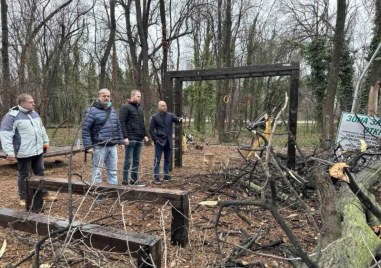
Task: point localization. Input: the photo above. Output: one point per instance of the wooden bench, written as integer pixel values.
(54, 151)
(144, 247)
(179, 199)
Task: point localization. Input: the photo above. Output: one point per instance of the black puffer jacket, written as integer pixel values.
(132, 121)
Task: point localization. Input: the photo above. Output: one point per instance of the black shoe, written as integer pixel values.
(124, 183)
(156, 181)
(137, 183)
(167, 178)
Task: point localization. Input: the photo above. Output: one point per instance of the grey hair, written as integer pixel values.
(23, 97)
(102, 91)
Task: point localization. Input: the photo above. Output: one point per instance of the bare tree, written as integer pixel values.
(6, 94)
(110, 43)
(333, 76)
(27, 47)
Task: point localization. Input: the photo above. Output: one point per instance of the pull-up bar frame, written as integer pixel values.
(174, 82)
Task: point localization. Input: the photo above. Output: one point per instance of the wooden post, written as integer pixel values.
(293, 117)
(34, 201)
(180, 222)
(178, 107)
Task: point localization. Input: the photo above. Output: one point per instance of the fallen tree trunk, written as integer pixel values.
(358, 245)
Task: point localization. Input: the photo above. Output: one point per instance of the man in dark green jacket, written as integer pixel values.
(131, 117)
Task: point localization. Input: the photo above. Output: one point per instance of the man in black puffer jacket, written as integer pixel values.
(134, 132)
(101, 132)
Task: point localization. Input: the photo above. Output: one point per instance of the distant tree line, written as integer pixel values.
(63, 52)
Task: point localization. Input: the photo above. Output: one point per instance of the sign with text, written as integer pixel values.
(354, 127)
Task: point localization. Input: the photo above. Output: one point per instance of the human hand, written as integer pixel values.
(11, 158)
(45, 147)
(90, 151)
(121, 146)
(146, 139)
(126, 141)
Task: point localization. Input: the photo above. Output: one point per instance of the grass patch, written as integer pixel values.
(63, 136)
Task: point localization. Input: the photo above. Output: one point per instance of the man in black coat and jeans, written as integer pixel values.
(161, 133)
(132, 121)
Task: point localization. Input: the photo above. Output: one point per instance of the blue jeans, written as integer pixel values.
(132, 152)
(24, 166)
(109, 156)
(167, 155)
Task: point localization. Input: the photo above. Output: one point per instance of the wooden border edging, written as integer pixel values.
(141, 246)
(179, 199)
(54, 151)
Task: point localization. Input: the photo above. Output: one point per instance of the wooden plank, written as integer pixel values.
(54, 151)
(124, 193)
(96, 236)
(179, 199)
(235, 72)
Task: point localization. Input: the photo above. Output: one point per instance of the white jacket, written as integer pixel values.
(22, 133)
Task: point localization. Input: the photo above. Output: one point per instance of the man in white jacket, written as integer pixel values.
(23, 138)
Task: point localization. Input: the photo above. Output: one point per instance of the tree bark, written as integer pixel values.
(357, 243)
(376, 65)
(110, 42)
(226, 57)
(142, 18)
(333, 76)
(330, 226)
(165, 44)
(6, 94)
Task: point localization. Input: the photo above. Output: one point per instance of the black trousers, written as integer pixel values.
(25, 166)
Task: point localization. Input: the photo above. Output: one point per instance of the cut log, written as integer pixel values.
(209, 161)
(357, 244)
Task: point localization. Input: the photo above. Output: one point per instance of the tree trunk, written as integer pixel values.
(357, 243)
(142, 18)
(226, 56)
(5, 91)
(165, 44)
(333, 77)
(376, 65)
(110, 42)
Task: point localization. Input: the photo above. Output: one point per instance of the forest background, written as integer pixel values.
(63, 52)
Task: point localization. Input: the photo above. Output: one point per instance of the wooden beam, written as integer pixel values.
(140, 246)
(54, 151)
(179, 199)
(235, 72)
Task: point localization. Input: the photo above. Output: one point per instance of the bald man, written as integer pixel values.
(161, 133)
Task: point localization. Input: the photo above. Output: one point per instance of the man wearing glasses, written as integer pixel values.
(101, 132)
(23, 138)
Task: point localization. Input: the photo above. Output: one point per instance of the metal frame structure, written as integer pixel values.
(174, 81)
